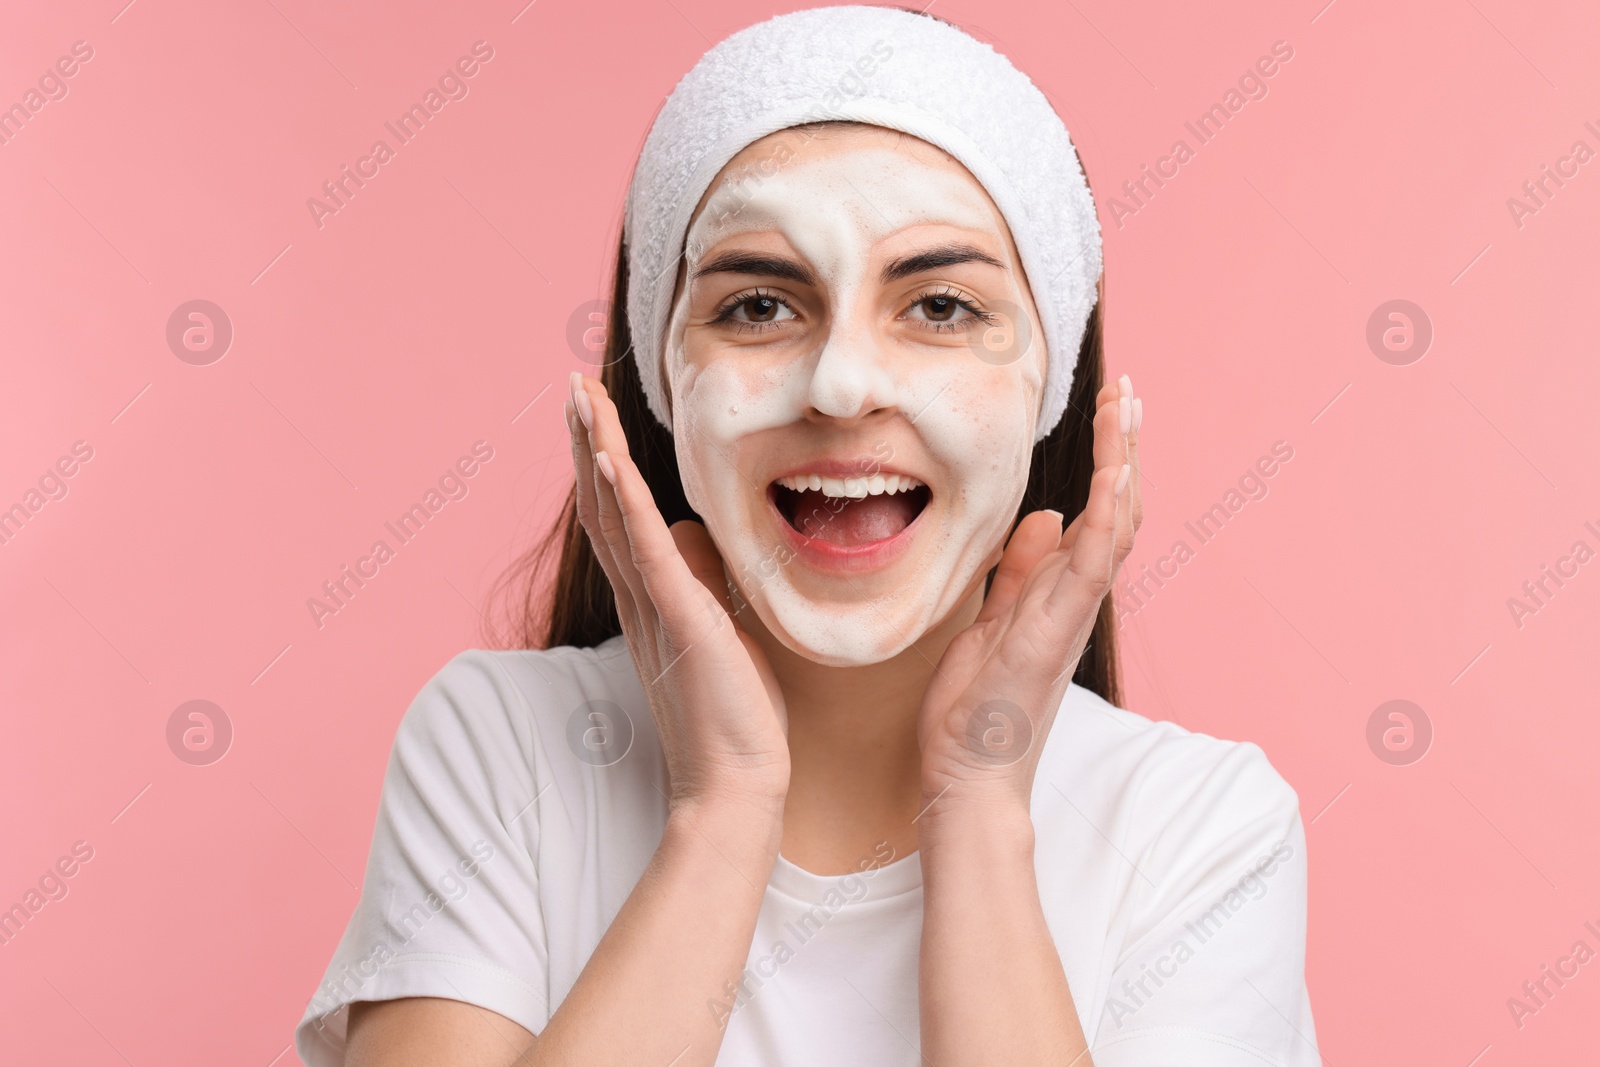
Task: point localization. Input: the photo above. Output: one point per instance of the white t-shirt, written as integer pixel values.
(525, 795)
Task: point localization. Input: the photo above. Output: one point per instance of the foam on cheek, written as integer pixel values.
(981, 429)
(976, 420)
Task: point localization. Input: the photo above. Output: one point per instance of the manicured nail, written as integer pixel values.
(1122, 479)
(580, 398)
(1138, 412)
(611, 472)
(1060, 518)
(571, 414)
(1125, 414)
(1126, 385)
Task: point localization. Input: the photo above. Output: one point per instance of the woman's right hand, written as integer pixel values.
(717, 706)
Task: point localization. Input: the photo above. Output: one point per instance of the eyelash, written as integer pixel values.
(978, 315)
(724, 313)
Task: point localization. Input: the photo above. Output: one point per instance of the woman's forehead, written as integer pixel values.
(831, 138)
(873, 181)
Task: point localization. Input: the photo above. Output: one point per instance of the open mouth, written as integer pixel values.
(849, 512)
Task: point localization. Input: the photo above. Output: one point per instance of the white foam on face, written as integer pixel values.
(962, 425)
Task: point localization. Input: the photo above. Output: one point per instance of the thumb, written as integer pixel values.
(1035, 537)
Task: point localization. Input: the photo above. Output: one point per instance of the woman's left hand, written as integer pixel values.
(995, 693)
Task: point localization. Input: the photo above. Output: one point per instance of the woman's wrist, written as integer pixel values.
(730, 804)
(963, 819)
(746, 831)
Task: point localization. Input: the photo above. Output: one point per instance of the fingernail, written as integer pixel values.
(1138, 412)
(571, 414)
(1126, 384)
(1052, 511)
(1125, 414)
(611, 472)
(581, 399)
(1122, 479)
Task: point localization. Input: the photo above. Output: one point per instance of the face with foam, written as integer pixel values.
(855, 368)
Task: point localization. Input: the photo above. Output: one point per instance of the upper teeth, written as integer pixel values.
(856, 488)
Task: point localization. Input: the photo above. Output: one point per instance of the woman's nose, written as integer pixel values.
(852, 377)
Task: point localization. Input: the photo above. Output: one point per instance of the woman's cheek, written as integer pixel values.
(717, 407)
(727, 399)
(984, 428)
(981, 432)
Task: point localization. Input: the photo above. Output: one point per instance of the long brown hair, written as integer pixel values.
(559, 594)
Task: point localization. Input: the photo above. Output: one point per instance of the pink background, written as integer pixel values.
(432, 312)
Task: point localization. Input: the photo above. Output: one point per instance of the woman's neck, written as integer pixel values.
(855, 764)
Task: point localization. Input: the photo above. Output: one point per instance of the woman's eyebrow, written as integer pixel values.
(758, 263)
(932, 258)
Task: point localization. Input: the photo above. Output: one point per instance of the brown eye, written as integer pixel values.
(761, 309)
(750, 310)
(944, 311)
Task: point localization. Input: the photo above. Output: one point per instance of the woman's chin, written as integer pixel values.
(841, 651)
(850, 605)
(849, 632)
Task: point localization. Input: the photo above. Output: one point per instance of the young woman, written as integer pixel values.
(822, 762)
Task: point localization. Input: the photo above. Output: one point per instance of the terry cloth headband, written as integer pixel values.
(884, 67)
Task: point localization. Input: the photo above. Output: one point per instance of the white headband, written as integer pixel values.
(884, 67)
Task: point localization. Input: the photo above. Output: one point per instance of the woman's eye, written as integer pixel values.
(763, 309)
(943, 309)
(939, 308)
(757, 310)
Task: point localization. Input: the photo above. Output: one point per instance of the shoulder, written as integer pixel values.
(1198, 885)
(1156, 779)
(489, 691)
(483, 703)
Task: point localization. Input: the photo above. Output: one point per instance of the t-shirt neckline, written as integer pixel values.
(890, 880)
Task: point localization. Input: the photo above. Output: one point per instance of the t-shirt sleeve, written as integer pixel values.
(1212, 973)
(449, 905)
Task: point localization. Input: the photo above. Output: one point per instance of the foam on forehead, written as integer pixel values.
(884, 67)
(855, 184)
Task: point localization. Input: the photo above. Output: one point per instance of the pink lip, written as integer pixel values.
(843, 559)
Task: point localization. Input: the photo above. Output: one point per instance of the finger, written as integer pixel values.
(583, 477)
(610, 446)
(1095, 554)
(690, 602)
(1109, 391)
(1136, 492)
(1109, 443)
(1113, 430)
(1106, 439)
(589, 481)
(1036, 536)
(1069, 536)
(607, 432)
(1107, 428)
(647, 553)
(582, 467)
(1112, 420)
(650, 547)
